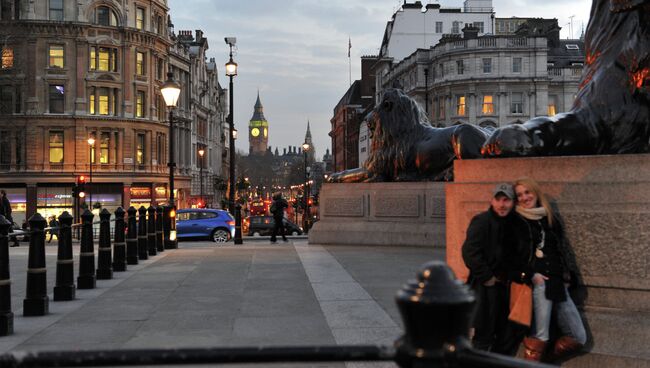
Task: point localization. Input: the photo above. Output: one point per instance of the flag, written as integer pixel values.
(349, 46)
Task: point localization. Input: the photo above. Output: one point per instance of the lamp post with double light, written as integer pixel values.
(91, 148)
(231, 72)
(170, 90)
(201, 153)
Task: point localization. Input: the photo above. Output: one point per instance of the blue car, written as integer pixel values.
(215, 225)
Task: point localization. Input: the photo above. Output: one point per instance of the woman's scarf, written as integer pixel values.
(536, 213)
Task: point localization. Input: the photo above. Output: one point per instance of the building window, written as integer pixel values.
(441, 108)
(56, 56)
(161, 68)
(488, 105)
(160, 146)
(57, 98)
(91, 104)
(56, 147)
(103, 59)
(480, 26)
(517, 103)
(438, 27)
(105, 16)
(139, 63)
(139, 105)
(460, 66)
(516, 65)
(460, 106)
(7, 57)
(140, 149)
(56, 10)
(552, 106)
(455, 27)
(104, 143)
(103, 101)
(139, 18)
(6, 99)
(487, 65)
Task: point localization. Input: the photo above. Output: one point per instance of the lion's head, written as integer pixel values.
(395, 124)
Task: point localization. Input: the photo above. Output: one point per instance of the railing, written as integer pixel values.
(436, 308)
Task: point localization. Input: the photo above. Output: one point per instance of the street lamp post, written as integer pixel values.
(91, 143)
(170, 90)
(201, 153)
(231, 72)
(305, 148)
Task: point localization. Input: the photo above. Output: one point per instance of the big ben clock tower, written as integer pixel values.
(258, 130)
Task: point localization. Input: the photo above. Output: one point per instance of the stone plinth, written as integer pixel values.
(410, 214)
(605, 203)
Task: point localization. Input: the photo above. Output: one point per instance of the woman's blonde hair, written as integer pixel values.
(533, 186)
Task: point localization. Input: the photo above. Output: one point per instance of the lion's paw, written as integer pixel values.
(511, 140)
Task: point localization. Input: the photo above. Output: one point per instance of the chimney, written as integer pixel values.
(470, 32)
(199, 35)
(285, 151)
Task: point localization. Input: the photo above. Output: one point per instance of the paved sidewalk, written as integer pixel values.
(202, 295)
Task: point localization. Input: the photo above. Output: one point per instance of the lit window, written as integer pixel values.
(139, 63)
(488, 105)
(516, 103)
(57, 99)
(104, 143)
(56, 10)
(7, 58)
(92, 104)
(140, 149)
(552, 110)
(516, 65)
(56, 56)
(460, 105)
(103, 101)
(56, 147)
(139, 105)
(139, 18)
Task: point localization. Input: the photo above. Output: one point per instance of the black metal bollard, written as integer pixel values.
(151, 231)
(36, 302)
(160, 239)
(238, 239)
(6, 315)
(104, 254)
(169, 227)
(436, 311)
(86, 278)
(132, 238)
(142, 233)
(64, 288)
(119, 245)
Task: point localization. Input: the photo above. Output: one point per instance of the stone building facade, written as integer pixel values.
(72, 70)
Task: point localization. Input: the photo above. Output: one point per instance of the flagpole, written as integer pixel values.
(349, 62)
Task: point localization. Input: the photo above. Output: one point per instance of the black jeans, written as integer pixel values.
(492, 330)
(278, 227)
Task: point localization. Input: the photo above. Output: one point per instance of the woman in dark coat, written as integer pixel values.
(543, 260)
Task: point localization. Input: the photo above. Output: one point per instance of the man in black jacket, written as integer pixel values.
(483, 255)
(277, 210)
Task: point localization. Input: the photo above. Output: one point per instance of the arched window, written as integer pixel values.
(105, 16)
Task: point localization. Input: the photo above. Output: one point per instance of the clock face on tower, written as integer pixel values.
(255, 132)
(266, 132)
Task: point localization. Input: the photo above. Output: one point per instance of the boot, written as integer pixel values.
(534, 348)
(564, 347)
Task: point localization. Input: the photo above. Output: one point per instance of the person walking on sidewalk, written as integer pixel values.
(277, 210)
(5, 210)
(484, 253)
(54, 225)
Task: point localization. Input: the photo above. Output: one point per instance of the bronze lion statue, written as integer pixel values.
(405, 147)
(610, 114)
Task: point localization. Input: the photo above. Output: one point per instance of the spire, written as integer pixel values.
(258, 114)
(308, 134)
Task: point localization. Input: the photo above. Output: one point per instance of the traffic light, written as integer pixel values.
(80, 187)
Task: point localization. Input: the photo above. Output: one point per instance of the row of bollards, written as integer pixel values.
(134, 240)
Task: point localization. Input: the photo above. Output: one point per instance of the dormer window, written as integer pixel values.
(105, 16)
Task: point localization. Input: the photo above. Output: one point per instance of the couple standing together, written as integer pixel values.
(519, 241)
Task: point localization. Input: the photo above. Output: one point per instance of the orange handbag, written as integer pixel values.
(521, 304)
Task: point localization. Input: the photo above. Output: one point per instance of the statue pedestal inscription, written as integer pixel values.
(605, 204)
(398, 213)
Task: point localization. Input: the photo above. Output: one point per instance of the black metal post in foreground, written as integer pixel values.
(231, 148)
(86, 278)
(238, 239)
(64, 288)
(151, 231)
(169, 227)
(142, 233)
(104, 257)
(132, 238)
(436, 311)
(36, 302)
(119, 245)
(160, 239)
(6, 315)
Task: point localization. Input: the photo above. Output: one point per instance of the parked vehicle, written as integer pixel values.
(263, 225)
(213, 224)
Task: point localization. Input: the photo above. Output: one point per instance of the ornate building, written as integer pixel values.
(75, 70)
(258, 130)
